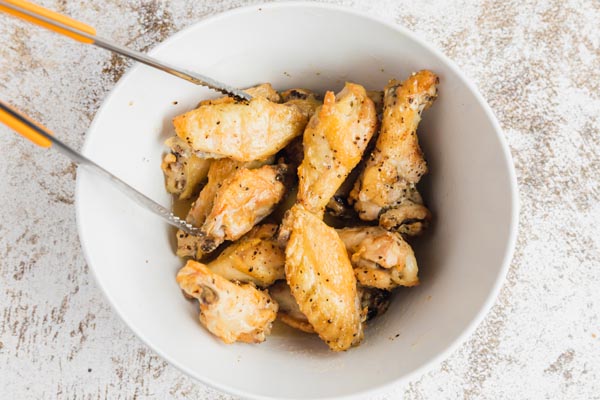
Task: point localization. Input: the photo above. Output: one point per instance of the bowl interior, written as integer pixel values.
(470, 190)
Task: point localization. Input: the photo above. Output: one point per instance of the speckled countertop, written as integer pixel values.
(536, 62)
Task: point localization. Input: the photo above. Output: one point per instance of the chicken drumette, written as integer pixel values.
(386, 189)
(232, 312)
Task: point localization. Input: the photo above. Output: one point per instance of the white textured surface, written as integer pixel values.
(537, 63)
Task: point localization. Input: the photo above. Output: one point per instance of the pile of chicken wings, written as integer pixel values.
(304, 203)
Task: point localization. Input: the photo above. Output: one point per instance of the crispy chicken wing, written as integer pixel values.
(334, 141)
(264, 90)
(237, 203)
(218, 173)
(241, 131)
(230, 311)
(381, 259)
(321, 279)
(244, 200)
(257, 257)
(183, 170)
(397, 163)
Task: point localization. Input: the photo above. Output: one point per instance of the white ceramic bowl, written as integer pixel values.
(471, 190)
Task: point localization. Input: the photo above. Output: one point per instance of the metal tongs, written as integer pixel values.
(86, 34)
(44, 138)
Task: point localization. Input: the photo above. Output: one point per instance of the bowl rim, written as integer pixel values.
(509, 249)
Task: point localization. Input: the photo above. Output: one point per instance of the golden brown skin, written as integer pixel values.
(228, 193)
(183, 170)
(396, 164)
(241, 131)
(257, 257)
(230, 311)
(381, 259)
(218, 173)
(264, 90)
(321, 279)
(334, 141)
(247, 197)
(306, 100)
(289, 311)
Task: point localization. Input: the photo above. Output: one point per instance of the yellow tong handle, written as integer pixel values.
(43, 137)
(24, 126)
(48, 19)
(86, 34)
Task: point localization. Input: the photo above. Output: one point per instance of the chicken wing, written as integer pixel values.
(230, 311)
(397, 163)
(321, 279)
(183, 170)
(244, 200)
(257, 257)
(334, 141)
(241, 131)
(239, 202)
(264, 90)
(381, 259)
